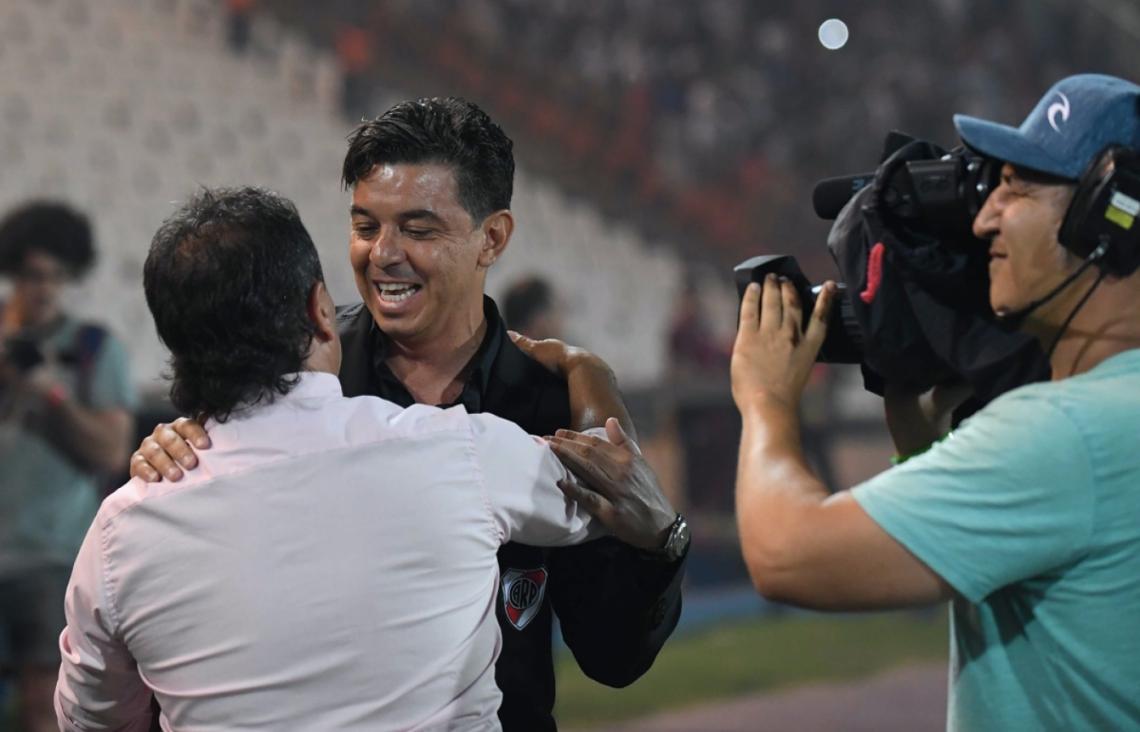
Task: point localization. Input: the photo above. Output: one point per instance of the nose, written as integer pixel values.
(986, 223)
(386, 250)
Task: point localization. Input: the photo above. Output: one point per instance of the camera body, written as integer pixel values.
(915, 309)
(920, 192)
(932, 190)
(844, 342)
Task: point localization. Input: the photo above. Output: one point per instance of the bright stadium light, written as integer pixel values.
(833, 34)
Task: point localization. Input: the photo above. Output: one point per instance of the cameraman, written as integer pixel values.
(1028, 517)
(65, 421)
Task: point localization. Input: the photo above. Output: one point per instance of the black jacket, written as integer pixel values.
(615, 606)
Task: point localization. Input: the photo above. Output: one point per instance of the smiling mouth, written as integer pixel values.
(396, 291)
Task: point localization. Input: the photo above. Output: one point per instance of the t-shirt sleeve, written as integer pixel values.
(520, 477)
(1007, 497)
(111, 378)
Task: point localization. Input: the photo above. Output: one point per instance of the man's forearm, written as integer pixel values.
(773, 487)
(771, 453)
(616, 608)
(917, 421)
(594, 396)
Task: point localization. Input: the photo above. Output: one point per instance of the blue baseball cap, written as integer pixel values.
(1075, 120)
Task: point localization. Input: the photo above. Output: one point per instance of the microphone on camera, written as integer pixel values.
(832, 194)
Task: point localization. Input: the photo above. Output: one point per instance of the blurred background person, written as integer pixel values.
(695, 350)
(532, 308)
(65, 422)
(239, 24)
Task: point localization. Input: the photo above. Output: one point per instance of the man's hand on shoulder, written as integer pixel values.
(557, 356)
(617, 486)
(167, 450)
(594, 394)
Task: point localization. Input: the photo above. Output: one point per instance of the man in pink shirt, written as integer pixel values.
(331, 563)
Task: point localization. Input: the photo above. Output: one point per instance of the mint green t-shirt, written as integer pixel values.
(1031, 512)
(47, 501)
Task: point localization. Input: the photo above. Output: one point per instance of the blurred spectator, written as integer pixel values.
(531, 308)
(354, 53)
(239, 24)
(65, 420)
(693, 346)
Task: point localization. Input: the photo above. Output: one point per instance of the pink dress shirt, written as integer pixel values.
(330, 565)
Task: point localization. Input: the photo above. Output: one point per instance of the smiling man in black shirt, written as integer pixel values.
(431, 184)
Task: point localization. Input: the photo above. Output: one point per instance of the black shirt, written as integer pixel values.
(615, 606)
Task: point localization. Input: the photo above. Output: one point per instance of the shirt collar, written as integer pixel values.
(478, 370)
(313, 385)
(310, 385)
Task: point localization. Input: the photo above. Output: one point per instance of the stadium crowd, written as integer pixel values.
(714, 118)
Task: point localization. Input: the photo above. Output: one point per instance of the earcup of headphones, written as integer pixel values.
(1106, 210)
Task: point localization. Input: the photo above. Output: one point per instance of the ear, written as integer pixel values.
(322, 312)
(497, 230)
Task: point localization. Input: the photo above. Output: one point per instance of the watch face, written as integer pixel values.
(678, 541)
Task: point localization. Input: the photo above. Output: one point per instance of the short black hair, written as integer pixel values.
(525, 299)
(51, 227)
(227, 280)
(446, 130)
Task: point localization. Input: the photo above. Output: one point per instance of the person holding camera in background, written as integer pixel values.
(1028, 516)
(65, 421)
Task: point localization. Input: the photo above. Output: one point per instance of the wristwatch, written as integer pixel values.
(677, 542)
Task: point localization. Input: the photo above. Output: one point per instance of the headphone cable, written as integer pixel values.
(1073, 314)
(1014, 319)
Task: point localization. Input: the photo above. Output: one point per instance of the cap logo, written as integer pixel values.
(1058, 108)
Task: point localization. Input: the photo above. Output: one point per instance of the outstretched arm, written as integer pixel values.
(616, 604)
(622, 493)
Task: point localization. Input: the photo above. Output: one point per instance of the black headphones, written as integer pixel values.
(1103, 220)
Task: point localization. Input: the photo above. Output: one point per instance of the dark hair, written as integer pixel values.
(450, 131)
(50, 227)
(525, 299)
(227, 280)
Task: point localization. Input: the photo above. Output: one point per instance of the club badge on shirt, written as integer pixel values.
(523, 590)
